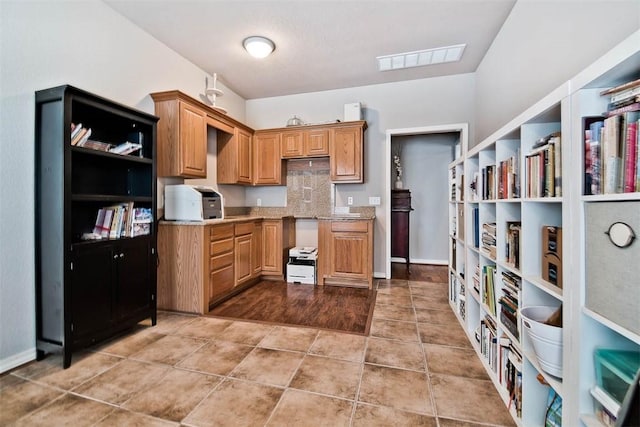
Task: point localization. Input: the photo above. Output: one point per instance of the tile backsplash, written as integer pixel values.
(308, 187)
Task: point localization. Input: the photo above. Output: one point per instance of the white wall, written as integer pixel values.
(414, 103)
(45, 44)
(425, 160)
(542, 45)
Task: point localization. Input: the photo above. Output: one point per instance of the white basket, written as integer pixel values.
(546, 339)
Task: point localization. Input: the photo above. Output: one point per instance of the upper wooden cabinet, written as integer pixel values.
(182, 138)
(292, 144)
(268, 168)
(316, 142)
(234, 157)
(342, 142)
(346, 154)
(312, 142)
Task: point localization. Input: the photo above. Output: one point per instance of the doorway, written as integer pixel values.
(417, 147)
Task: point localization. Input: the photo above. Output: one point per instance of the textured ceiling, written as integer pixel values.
(320, 45)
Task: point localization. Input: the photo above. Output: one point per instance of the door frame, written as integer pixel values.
(461, 128)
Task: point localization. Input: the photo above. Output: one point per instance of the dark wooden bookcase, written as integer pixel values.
(89, 290)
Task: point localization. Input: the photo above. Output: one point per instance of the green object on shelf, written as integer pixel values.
(615, 370)
(553, 416)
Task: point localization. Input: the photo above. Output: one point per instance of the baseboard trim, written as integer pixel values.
(17, 359)
(422, 261)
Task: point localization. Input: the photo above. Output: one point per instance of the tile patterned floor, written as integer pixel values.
(416, 368)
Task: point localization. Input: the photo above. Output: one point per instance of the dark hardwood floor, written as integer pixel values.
(419, 272)
(325, 307)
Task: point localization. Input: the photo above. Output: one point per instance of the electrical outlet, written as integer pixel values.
(349, 200)
(374, 201)
(259, 202)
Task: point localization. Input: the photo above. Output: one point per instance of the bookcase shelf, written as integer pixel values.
(89, 285)
(553, 216)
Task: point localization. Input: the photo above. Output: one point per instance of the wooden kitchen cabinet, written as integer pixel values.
(278, 236)
(221, 261)
(234, 158)
(200, 265)
(182, 137)
(268, 166)
(243, 262)
(292, 144)
(316, 142)
(345, 251)
(346, 153)
(256, 246)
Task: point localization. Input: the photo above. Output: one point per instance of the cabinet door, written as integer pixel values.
(316, 143)
(91, 289)
(193, 142)
(349, 255)
(271, 247)
(345, 151)
(134, 285)
(243, 139)
(292, 144)
(267, 164)
(256, 246)
(242, 260)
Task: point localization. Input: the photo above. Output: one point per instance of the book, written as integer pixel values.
(126, 148)
(106, 225)
(97, 145)
(97, 229)
(630, 157)
(84, 138)
(78, 136)
(75, 128)
(620, 88)
(631, 92)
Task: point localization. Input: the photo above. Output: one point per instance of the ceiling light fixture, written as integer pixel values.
(420, 58)
(258, 46)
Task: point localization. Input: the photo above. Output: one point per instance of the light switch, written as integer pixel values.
(349, 200)
(374, 201)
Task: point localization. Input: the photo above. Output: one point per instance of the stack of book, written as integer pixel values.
(489, 182)
(489, 239)
(510, 375)
(489, 290)
(544, 167)
(476, 279)
(512, 249)
(509, 177)
(511, 285)
(79, 134)
(612, 156)
(453, 184)
(489, 341)
(122, 220)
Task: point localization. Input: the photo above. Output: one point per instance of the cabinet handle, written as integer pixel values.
(121, 255)
(115, 256)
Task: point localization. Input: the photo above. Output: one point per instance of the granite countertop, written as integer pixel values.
(225, 220)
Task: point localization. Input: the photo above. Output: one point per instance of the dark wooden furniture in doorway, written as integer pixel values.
(400, 210)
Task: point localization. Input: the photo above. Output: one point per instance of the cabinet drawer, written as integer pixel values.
(221, 232)
(221, 261)
(353, 226)
(220, 247)
(244, 228)
(220, 282)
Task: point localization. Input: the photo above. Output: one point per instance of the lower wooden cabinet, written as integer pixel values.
(345, 252)
(278, 236)
(221, 260)
(202, 264)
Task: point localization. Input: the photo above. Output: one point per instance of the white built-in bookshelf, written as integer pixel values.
(522, 182)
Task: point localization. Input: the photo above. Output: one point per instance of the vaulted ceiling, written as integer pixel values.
(320, 45)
